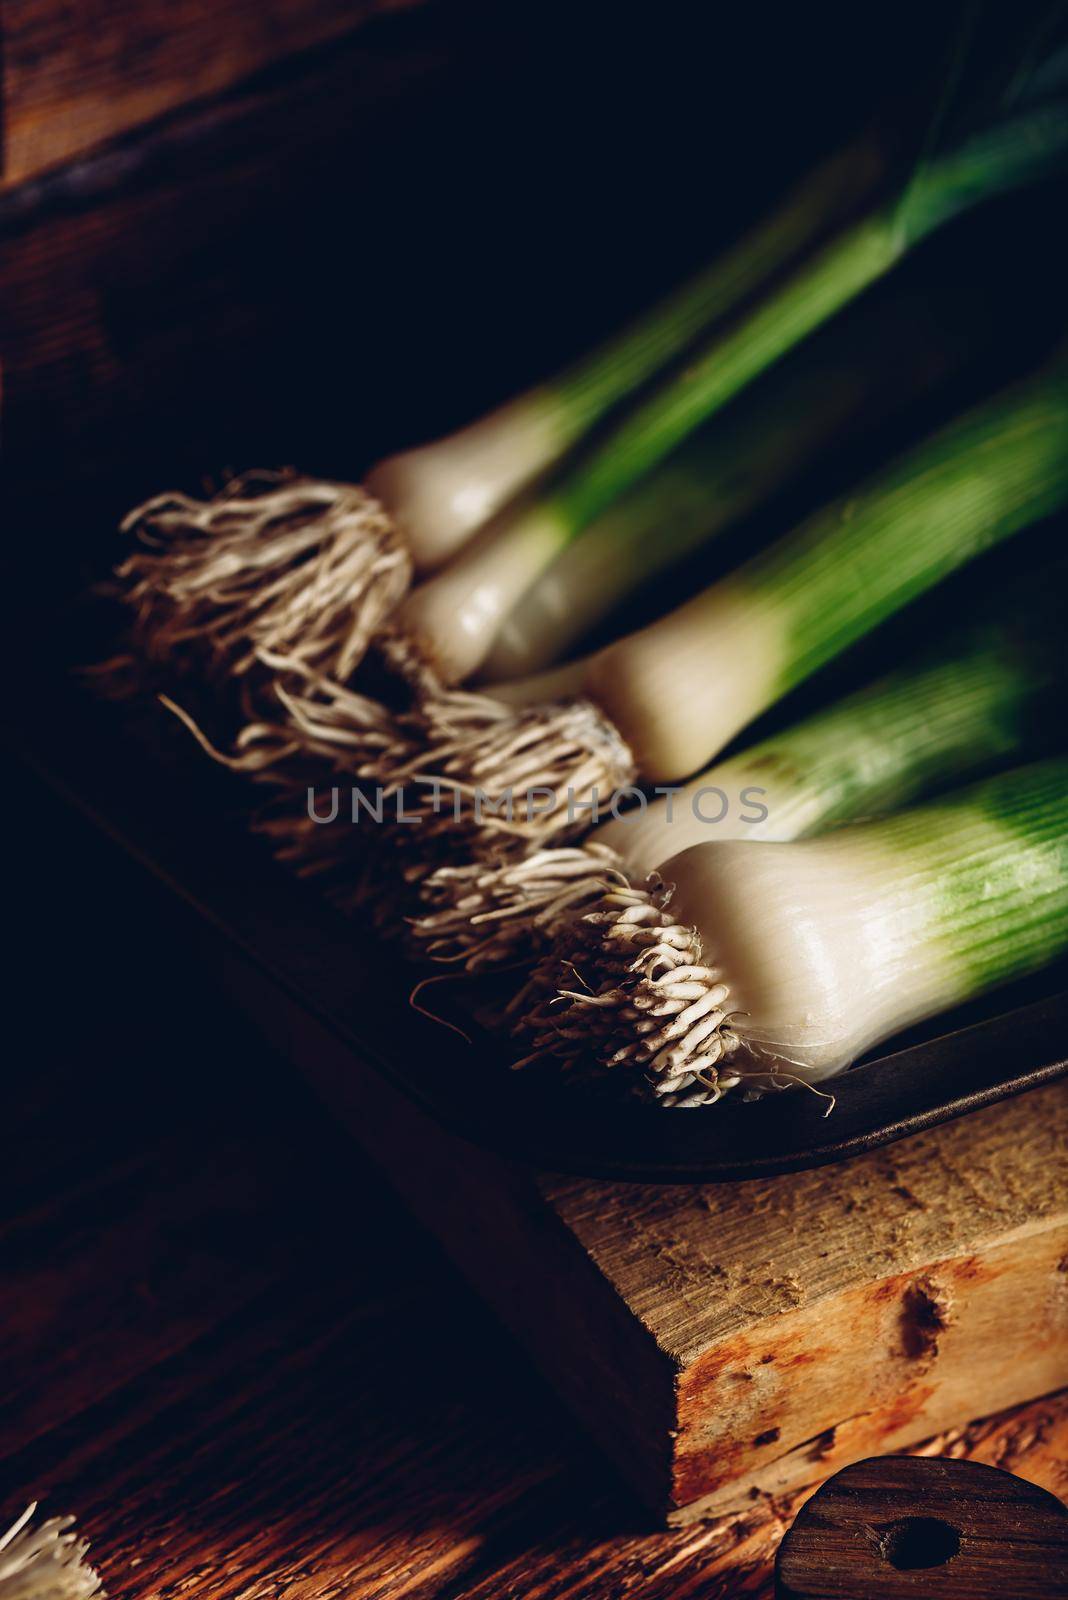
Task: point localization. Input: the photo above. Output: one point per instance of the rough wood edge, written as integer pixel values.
(917, 1348)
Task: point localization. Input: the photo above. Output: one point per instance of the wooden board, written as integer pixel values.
(719, 1342)
(228, 1352)
(734, 1340)
(76, 75)
(821, 1317)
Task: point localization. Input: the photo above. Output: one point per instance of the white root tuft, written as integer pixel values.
(45, 1561)
(313, 726)
(296, 567)
(453, 772)
(284, 585)
(458, 774)
(625, 986)
(474, 767)
(486, 915)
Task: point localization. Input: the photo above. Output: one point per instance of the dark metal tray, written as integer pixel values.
(134, 776)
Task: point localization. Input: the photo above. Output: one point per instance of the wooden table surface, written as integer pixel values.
(225, 1348)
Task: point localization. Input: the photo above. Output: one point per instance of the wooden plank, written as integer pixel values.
(357, 1427)
(256, 279)
(78, 74)
(839, 1313)
(342, 1418)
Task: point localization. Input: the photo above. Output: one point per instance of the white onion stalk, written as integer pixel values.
(758, 965)
(311, 570)
(986, 696)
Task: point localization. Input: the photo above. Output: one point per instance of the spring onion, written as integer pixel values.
(454, 618)
(836, 387)
(309, 570)
(756, 965)
(985, 696)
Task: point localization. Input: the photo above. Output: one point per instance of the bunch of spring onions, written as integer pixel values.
(661, 702)
(826, 396)
(775, 951)
(645, 705)
(988, 694)
(308, 571)
(757, 965)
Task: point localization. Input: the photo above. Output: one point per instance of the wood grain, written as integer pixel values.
(895, 1527)
(272, 1449)
(121, 276)
(833, 1314)
(77, 73)
(225, 1348)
